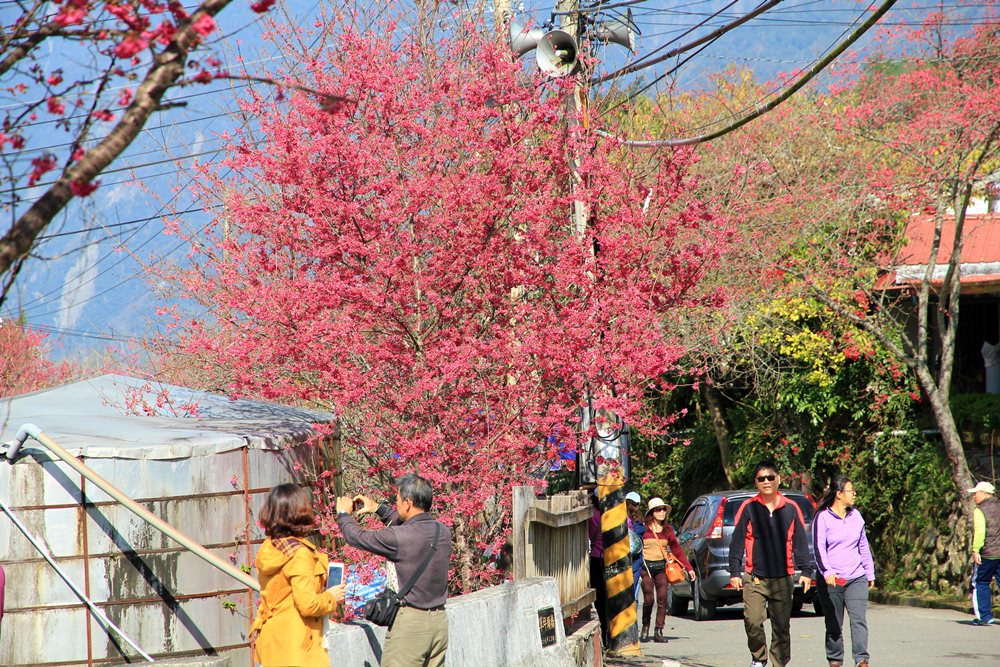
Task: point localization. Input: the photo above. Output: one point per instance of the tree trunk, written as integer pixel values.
(463, 554)
(723, 435)
(952, 440)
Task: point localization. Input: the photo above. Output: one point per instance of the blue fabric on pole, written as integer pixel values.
(357, 594)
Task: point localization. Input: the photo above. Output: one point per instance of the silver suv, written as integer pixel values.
(704, 534)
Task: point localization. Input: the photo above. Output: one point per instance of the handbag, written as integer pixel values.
(382, 609)
(675, 571)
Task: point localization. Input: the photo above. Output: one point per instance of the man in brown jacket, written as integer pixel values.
(419, 635)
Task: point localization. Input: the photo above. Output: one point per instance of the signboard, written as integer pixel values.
(547, 626)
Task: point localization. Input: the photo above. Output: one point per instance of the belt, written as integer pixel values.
(440, 607)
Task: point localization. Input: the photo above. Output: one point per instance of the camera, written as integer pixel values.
(358, 504)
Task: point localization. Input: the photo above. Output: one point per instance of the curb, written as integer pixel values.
(903, 600)
(612, 661)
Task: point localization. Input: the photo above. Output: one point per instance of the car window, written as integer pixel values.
(732, 506)
(693, 517)
(806, 506)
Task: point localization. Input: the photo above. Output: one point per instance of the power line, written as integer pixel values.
(142, 224)
(791, 90)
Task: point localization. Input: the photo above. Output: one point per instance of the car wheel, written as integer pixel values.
(817, 606)
(676, 605)
(704, 609)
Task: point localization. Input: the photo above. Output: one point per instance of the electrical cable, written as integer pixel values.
(791, 90)
(644, 62)
(41, 302)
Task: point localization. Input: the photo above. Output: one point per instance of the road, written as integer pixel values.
(898, 637)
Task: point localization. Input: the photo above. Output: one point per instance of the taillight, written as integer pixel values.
(716, 531)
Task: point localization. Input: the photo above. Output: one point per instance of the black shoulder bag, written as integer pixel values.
(381, 610)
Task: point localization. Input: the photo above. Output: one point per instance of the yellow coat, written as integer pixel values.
(294, 600)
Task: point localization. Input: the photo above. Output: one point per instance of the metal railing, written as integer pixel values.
(101, 616)
(129, 504)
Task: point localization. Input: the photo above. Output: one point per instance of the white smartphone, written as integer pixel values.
(335, 574)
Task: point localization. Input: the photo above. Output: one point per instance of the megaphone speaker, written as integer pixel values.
(523, 40)
(616, 31)
(556, 53)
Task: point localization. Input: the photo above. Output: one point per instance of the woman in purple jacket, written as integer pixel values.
(845, 571)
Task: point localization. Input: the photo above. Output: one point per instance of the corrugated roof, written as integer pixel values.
(980, 251)
(90, 418)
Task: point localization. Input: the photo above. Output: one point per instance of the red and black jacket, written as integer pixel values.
(774, 542)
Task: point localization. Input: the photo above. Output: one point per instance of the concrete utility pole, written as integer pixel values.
(558, 54)
(623, 632)
(501, 18)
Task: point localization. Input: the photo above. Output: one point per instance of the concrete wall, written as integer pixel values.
(494, 627)
(204, 661)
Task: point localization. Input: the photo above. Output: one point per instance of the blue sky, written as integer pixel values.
(91, 289)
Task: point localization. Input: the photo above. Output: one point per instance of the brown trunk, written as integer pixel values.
(166, 70)
(723, 436)
(463, 554)
(952, 440)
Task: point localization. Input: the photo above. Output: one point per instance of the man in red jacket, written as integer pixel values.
(771, 532)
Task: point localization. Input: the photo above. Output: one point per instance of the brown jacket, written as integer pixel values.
(293, 602)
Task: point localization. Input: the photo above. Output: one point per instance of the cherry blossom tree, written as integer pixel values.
(25, 363)
(929, 118)
(408, 261)
(100, 69)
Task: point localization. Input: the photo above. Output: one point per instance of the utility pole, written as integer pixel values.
(620, 606)
(557, 55)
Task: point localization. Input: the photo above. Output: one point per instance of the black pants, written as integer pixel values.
(601, 589)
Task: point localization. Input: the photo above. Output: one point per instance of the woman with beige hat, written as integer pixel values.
(656, 541)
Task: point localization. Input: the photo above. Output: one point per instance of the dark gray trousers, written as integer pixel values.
(854, 597)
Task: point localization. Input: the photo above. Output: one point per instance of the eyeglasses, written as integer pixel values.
(660, 509)
(766, 478)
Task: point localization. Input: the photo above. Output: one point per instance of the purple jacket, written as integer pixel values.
(841, 546)
(596, 536)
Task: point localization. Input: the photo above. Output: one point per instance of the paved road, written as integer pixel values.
(899, 637)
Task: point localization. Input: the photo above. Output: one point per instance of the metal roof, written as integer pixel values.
(980, 253)
(90, 418)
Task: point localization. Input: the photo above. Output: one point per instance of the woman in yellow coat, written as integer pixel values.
(293, 594)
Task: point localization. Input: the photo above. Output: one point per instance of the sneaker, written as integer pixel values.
(756, 663)
(979, 621)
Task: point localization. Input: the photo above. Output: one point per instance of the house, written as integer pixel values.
(978, 336)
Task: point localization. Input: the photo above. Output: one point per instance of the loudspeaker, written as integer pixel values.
(556, 53)
(523, 40)
(619, 31)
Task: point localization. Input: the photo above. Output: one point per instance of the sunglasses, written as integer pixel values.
(766, 478)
